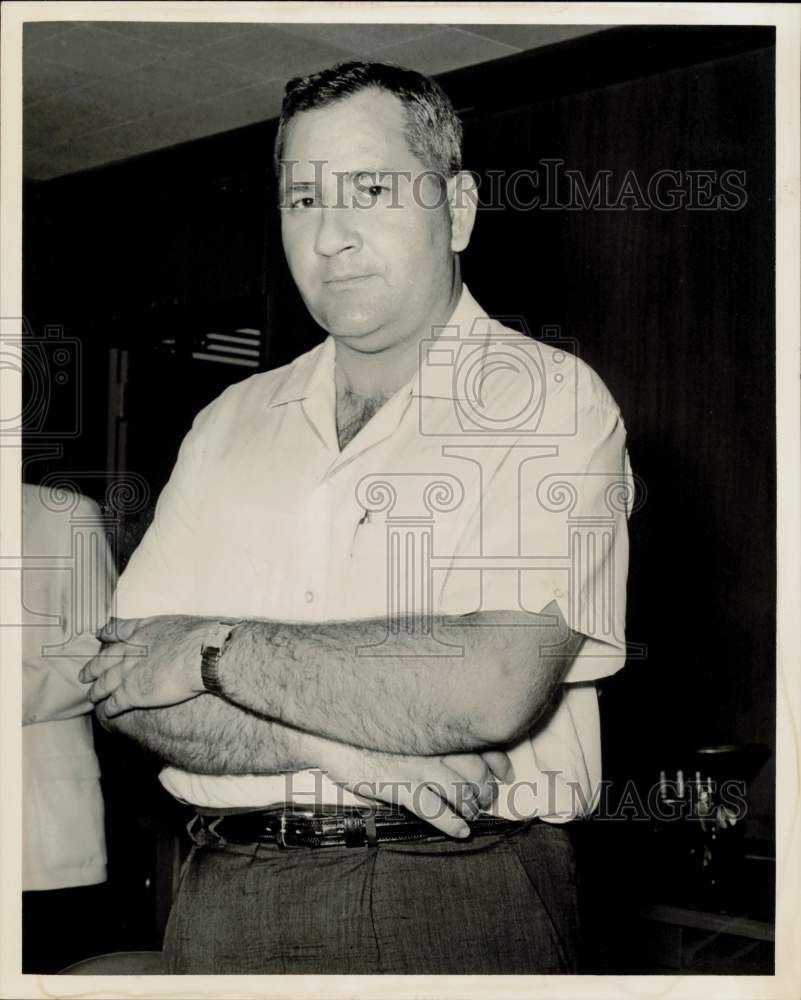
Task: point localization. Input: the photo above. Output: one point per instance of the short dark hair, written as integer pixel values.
(433, 129)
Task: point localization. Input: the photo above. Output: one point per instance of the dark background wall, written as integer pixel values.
(673, 308)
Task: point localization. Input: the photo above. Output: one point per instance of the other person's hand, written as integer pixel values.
(147, 662)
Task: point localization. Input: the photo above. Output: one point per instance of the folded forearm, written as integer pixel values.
(324, 678)
(208, 735)
(314, 678)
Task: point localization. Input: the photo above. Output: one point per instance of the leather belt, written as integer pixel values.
(292, 826)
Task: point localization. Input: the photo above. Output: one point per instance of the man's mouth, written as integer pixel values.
(346, 280)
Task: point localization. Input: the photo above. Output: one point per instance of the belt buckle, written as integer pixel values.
(286, 833)
(334, 829)
(299, 829)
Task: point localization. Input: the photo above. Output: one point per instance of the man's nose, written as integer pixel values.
(336, 232)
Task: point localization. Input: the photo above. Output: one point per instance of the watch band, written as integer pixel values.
(211, 651)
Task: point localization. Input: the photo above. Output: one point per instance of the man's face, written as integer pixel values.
(366, 228)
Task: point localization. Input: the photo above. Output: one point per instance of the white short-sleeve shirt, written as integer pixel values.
(497, 479)
(67, 578)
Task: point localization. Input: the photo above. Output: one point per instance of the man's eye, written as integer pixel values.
(307, 201)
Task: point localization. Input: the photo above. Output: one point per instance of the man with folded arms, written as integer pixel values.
(381, 712)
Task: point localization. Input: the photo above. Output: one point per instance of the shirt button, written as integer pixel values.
(308, 597)
(559, 593)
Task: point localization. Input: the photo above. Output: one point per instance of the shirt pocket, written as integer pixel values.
(69, 811)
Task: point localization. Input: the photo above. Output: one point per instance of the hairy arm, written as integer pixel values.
(324, 678)
(209, 735)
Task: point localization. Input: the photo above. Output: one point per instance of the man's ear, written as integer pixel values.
(462, 204)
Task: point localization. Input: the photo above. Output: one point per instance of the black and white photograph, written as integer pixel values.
(400, 499)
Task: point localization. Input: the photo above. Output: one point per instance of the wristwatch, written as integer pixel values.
(211, 651)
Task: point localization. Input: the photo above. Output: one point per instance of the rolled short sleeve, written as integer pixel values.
(552, 525)
(596, 505)
(159, 576)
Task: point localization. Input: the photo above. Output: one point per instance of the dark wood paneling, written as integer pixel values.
(675, 310)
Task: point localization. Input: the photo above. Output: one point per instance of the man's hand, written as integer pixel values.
(320, 677)
(147, 662)
(442, 791)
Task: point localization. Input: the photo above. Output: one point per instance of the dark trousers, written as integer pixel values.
(500, 904)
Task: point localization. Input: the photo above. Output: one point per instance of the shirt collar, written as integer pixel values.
(307, 373)
(468, 319)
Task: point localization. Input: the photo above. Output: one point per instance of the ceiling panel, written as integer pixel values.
(95, 51)
(37, 31)
(56, 122)
(96, 92)
(57, 159)
(448, 49)
(42, 79)
(244, 106)
(529, 36)
(94, 148)
(274, 53)
(130, 98)
(190, 78)
(61, 118)
(174, 36)
(367, 38)
(160, 130)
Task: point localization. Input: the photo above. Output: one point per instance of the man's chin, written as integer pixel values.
(359, 330)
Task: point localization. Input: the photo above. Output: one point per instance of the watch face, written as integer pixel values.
(209, 661)
(211, 651)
